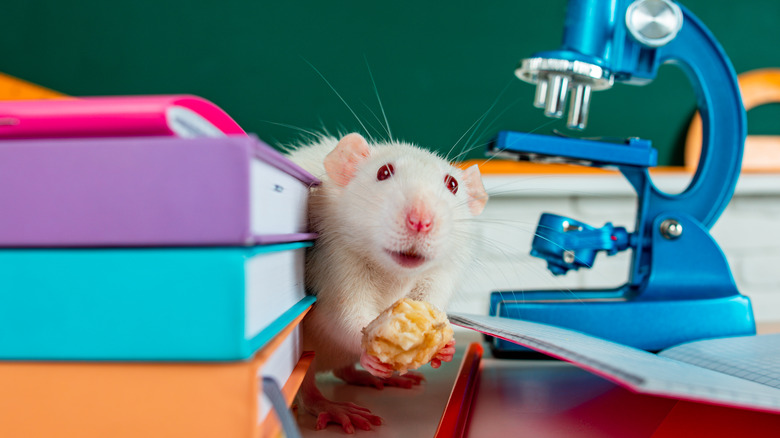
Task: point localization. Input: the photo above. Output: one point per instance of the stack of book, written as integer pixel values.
(151, 270)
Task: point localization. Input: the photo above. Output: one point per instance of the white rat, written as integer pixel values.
(394, 221)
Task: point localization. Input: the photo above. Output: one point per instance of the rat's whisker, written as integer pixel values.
(377, 130)
(339, 96)
(480, 118)
(479, 121)
(381, 106)
(503, 248)
(543, 125)
(487, 128)
(495, 102)
(466, 151)
(297, 128)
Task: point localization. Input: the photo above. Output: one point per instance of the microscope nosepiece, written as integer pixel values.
(579, 106)
(556, 78)
(557, 88)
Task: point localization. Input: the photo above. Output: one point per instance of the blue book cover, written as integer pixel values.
(148, 304)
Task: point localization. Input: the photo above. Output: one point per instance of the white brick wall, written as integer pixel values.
(748, 232)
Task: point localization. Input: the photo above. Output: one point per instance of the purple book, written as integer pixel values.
(152, 191)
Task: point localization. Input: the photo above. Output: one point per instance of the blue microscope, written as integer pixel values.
(680, 287)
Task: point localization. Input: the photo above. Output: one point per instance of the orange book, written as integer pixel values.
(142, 399)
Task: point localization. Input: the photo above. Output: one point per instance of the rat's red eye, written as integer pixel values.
(451, 183)
(385, 172)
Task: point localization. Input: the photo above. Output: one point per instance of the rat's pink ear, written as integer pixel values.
(477, 195)
(341, 163)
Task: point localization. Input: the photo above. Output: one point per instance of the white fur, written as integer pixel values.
(349, 268)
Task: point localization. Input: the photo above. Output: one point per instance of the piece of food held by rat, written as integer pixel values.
(407, 335)
(394, 221)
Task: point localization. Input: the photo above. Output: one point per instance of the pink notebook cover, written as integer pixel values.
(122, 116)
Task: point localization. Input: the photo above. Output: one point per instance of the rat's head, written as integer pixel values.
(406, 208)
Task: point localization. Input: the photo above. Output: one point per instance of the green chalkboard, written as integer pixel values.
(438, 66)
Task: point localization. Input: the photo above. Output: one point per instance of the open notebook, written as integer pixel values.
(741, 372)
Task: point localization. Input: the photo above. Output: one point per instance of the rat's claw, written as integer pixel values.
(373, 365)
(361, 422)
(444, 355)
(354, 376)
(407, 380)
(356, 407)
(358, 377)
(348, 415)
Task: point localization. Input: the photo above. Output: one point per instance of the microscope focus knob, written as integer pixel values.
(654, 22)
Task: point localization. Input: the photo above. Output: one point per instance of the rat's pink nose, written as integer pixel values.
(419, 219)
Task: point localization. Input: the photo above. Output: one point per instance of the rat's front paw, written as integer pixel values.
(408, 334)
(444, 355)
(358, 377)
(376, 367)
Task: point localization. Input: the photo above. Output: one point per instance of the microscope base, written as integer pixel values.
(644, 324)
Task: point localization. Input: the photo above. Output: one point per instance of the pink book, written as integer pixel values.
(122, 116)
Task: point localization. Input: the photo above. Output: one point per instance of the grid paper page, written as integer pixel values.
(754, 358)
(632, 368)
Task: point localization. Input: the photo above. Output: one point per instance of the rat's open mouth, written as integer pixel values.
(407, 259)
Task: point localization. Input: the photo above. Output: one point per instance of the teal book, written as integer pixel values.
(148, 304)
